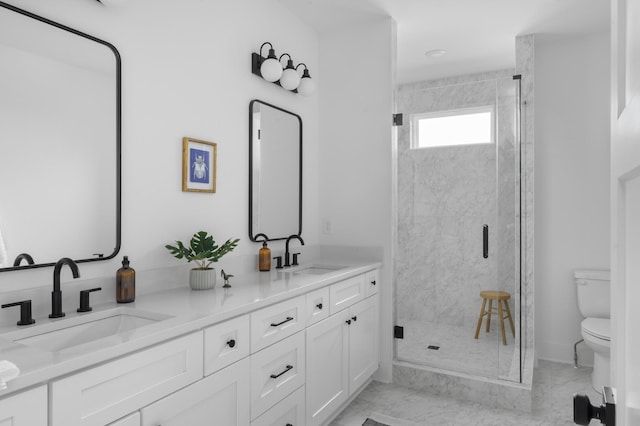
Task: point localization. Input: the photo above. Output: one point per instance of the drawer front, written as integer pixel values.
(371, 283)
(289, 411)
(274, 323)
(106, 393)
(226, 343)
(276, 372)
(132, 420)
(346, 293)
(317, 305)
(219, 399)
(25, 408)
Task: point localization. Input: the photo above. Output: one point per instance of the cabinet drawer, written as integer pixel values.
(289, 411)
(226, 343)
(346, 293)
(132, 420)
(219, 399)
(371, 283)
(276, 372)
(106, 393)
(273, 323)
(317, 305)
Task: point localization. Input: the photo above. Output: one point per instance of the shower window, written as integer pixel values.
(469, 126)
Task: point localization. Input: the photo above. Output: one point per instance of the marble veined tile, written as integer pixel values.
(553, 388)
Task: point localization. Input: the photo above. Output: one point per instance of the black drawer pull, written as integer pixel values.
(280, 323)
(348, 322)
(231, 343)
(354, 319)
(319, 306)
(275, 376)
(373, 282)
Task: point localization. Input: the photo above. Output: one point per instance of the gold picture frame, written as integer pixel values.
(198, 165)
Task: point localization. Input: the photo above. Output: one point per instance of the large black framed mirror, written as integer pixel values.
(275, 171)
(60, 143)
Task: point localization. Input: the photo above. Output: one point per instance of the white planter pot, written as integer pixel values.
(202, 279)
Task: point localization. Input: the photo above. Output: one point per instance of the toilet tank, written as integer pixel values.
(594, 296)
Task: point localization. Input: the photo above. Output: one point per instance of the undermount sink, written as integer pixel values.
(59, 335)
(317, 269)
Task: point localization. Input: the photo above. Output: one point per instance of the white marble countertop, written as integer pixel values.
(190, 311)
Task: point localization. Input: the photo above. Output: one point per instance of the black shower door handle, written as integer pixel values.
(485, 241)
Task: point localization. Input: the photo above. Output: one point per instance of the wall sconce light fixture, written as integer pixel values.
(288, 77)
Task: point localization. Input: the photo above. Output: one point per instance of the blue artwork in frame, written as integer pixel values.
(198, 165)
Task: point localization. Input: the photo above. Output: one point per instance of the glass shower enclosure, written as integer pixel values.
(458, 216)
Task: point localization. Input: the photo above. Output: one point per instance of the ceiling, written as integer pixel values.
(477, 35)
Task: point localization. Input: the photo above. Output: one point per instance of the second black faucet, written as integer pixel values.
(56, 294)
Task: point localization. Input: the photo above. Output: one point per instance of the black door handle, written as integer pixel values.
(485, 241)
(275, 376)
(282, 322)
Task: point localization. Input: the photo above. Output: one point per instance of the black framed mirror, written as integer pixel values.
(60, 143)
(275, 171)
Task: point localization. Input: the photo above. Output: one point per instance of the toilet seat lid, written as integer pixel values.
(598, 327)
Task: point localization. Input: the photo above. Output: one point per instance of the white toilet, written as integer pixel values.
(594, 303)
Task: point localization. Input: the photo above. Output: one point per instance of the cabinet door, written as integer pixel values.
(25, 409)
(327, 367)
(363, 342)
(219, 399)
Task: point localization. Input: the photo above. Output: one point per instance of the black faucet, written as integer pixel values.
(56, 294)
(286, 250)
(21, 257)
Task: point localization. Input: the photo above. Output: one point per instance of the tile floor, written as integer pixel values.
(553, 387)
(458, 350)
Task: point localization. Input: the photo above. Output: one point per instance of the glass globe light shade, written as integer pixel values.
(307, 86)
(290, 79)
(271, 70)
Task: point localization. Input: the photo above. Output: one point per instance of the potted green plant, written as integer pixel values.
(203, 251)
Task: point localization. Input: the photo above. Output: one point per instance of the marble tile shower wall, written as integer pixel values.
(445, 196)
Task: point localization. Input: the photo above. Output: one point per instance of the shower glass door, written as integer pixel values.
(459, 226)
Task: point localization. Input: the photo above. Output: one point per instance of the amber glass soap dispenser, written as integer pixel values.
(125, 283)
(264, 257)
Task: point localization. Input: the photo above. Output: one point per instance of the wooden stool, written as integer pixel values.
(503, 300)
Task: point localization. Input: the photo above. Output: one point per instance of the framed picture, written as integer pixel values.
(198, 165)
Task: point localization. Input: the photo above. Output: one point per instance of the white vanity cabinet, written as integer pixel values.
(27, 408)
(295, 362)
(219, 399)
(103, 394)
(342, 354)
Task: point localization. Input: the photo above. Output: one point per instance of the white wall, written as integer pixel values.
(356, 149)
(186, 71)
(571, 188)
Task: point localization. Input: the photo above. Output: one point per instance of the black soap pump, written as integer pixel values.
(125, 283)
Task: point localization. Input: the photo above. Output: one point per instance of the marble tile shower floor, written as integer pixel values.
(458, 350)
(553, 387)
